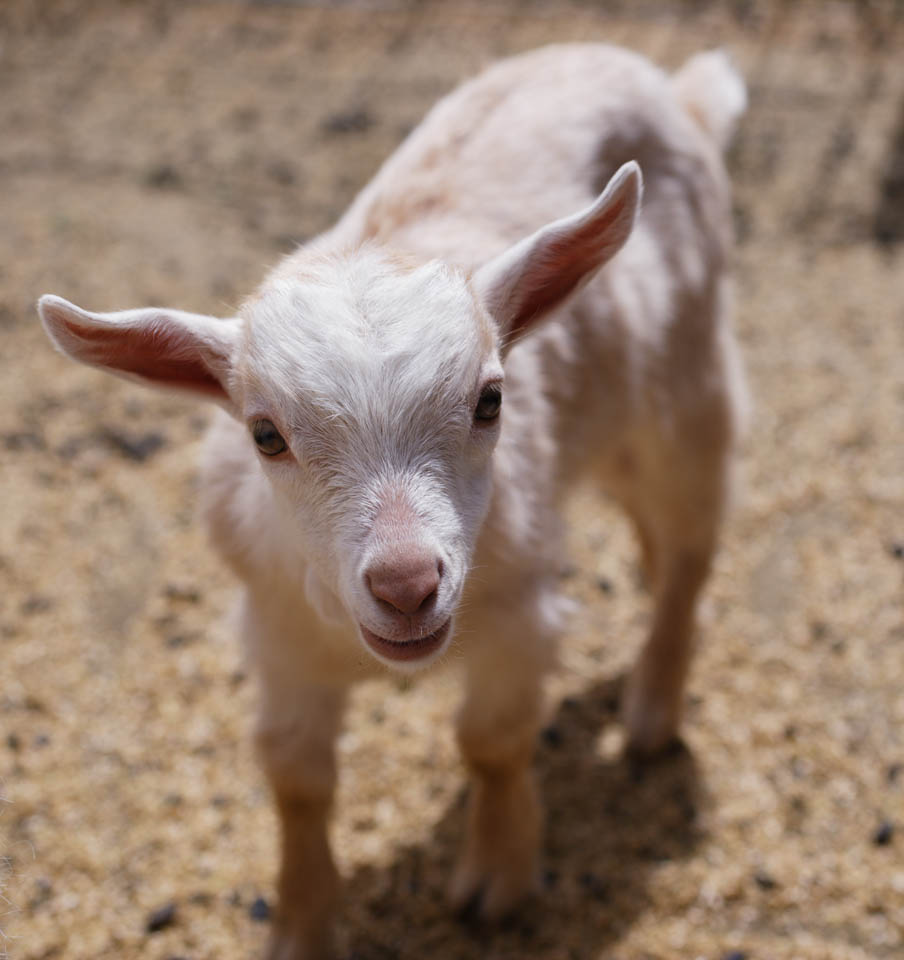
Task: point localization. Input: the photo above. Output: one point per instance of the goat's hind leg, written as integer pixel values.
(682, 525)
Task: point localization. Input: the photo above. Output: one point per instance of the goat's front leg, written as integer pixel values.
(296, 744)
(497, 729)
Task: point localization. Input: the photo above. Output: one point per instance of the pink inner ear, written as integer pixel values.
(557, 267)
(161, 355)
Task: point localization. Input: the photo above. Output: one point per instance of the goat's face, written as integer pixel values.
(371, 389)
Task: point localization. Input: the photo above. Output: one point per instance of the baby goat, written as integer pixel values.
(366, 463)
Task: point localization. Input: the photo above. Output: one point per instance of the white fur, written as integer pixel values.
(368, 349)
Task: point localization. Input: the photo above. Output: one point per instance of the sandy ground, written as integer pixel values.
(169, 154)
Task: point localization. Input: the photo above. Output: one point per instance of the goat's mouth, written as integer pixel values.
(406, 651)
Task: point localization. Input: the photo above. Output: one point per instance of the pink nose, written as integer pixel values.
(408, 583)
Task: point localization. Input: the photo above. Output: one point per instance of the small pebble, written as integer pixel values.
(735, 955)
(36, 603)
(350, 121)
(604, 585)
(884, 834)
(184, 592)
(764, 881)
(259, 910)
(897, 551)
(161, 918)
(26, 440)
(551, 736)
(595, 887)
(611, 703)
(893, 772)
(176, 640)
(137, 448)
(13, 742)
(163, 177)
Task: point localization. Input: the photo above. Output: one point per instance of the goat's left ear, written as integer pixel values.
(536, 275)
(166, 348)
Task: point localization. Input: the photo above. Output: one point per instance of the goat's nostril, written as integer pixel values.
(408, 586)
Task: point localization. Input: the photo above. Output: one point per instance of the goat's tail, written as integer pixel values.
(712, 91)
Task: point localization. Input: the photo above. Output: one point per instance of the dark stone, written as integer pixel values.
(735, 955)
(137, 448)
(595, 887)
(36, 603)
(281, 173)
(888, 222)
(13, 742)
(163, 177)
(897, 551)
(884, 834)
(259, 911)
(551, 736)
(43, 893)
(161, 918)
(604, 585)
(356, 120)
(184, 592)
(764, 881)
(24, 440)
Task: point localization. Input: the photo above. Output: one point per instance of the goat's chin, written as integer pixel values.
(408, 656)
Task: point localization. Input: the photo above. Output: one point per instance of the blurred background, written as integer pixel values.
(169, 153)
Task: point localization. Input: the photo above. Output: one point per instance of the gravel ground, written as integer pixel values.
(169, 153)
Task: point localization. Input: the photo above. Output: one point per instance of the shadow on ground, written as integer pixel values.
(610, 822)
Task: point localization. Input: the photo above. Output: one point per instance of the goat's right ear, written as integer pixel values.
(167, 348)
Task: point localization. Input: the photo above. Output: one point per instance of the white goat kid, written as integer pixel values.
(364, 466)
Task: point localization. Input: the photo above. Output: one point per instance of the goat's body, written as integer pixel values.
(628, 377)
(368, 368)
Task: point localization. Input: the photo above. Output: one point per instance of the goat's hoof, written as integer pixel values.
(651, 723)
(480, 892)
(293, 945)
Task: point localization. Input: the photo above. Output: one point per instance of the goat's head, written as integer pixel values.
(371, 388)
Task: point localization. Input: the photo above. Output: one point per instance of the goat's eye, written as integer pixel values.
(268, 439)
(489, 404)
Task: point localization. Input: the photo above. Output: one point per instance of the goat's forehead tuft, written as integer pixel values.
(368, 318)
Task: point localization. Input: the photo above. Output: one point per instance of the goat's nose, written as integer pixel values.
(407, 583)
